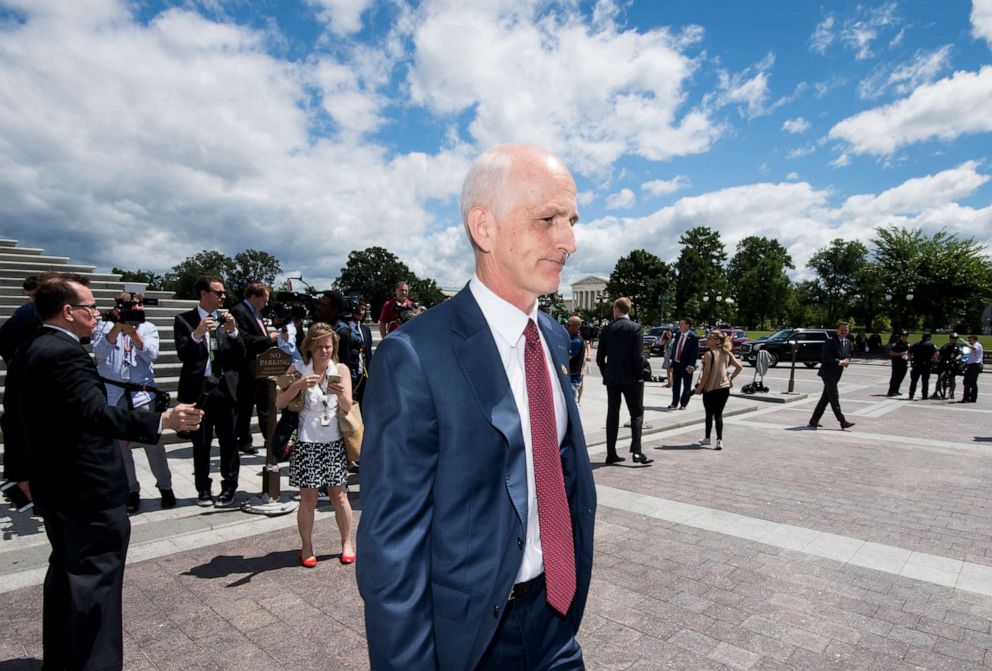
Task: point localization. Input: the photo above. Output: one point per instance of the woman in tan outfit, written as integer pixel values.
(714, 382)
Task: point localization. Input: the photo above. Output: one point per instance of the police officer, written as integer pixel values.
(921, 356)
(899, 351)
(949, 357)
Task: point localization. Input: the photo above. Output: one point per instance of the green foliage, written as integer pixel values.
(184, 275)
(372, 273)
(837, 268)
(554, 305)
(699, 269)
(153, 281)
(425, 291)
(646, 280)
(759, 281)
(249, 266)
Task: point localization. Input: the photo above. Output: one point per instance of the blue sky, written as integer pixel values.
(135, 134)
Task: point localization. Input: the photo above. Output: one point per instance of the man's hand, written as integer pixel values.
(229, 324)
(183, 417)
(131, 331)
(275, 335)
(206, 324)
(844, 362)
(689, 369)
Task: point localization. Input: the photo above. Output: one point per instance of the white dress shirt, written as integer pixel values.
(208, 371)
(507, 324)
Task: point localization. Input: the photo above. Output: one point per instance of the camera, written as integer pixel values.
(128, 312)
(405, 313)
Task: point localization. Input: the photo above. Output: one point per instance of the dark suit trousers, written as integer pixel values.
(632, 395)
(915, 373)
(970, 390)
(82, 619)
(220, 414)
(830, 395)
(681, 385)
(532, 636)
(252, 394)
(899, 367)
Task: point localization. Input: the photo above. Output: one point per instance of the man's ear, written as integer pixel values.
(482, 227)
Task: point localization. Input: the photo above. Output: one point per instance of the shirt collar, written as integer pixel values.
(65, 331)
(505, 319)
(623, 317)
(204, 314)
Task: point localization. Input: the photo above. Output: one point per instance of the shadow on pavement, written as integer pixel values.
(23, 664)
(21, 524)
(227, 565)
(687, 446)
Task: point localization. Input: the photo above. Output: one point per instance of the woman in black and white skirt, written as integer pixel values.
(318, 457)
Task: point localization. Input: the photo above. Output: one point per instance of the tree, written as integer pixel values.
(425, 291)
(554, 305)
(838, 267)
(646, 280)
(249, 266)
(152, 281)
(760, 284)
(802, 306)
(184, 275)
(372, 273)
(699, 269)
(950, 278)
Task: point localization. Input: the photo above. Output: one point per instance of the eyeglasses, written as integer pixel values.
(219, 293)
(89, 306)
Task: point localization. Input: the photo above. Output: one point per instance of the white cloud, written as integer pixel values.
(945, 109)
(857, 32)
(901, 79)
(343, 17)
(799, 152)
(591, 95)
(841, 161)
(795, 213)
(624, 199)
(796, 126)
(792, 176)
(663, 187)
(749, 89)
(981, 20)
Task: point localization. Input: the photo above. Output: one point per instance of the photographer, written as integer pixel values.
(125, 349)
(209, 346)
(334, 309)
(252, 394)
(389, 317)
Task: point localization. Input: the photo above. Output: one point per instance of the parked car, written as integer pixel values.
(737, 338)
(652, 339)
(809, 346)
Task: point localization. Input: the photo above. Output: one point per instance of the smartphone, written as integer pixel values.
(333, 378)
(16, 497)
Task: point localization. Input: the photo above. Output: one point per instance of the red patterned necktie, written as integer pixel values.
(552, 506)
(678, 350)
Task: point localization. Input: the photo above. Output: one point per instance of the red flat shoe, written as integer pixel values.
(347, 559)
(309, 562)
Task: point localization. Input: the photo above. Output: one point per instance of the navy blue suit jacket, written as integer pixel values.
(444, 490)
(690, 351)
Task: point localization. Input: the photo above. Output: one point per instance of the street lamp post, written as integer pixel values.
(792, 372)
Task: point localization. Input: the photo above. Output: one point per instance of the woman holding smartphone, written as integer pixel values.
(715, 382)
(318, 457)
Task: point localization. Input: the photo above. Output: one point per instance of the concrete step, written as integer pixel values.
(22, 251)
(44, 259)
(16, 294)
(56, 263)
(4, 242)
(9, 278)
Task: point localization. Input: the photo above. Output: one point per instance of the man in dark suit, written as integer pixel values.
(478, 500)
(252, 394)
(364, 347)
(685, 351)
(834, 358)
(620, 357)
(59, 446)
(209, 345)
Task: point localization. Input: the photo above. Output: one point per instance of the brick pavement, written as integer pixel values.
(664, 594)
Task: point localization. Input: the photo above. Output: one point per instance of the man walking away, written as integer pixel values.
(620, 358)
(899, 353)
(834, 359)
(921, 356)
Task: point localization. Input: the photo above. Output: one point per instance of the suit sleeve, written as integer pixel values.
(829, 354)
(637, 353)
(231, 350)
(75, 373)
(399, 462)
(254, 344)
(188, 349)
(15, 460)
(604, 336)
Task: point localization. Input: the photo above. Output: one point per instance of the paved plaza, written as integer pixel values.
(790, 549)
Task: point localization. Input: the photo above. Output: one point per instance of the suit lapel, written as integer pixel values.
(479, 360)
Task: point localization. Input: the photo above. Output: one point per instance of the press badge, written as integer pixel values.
(325, 420)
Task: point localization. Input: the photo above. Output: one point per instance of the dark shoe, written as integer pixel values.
(248, 448)
(225, 500)
(204, 499)
(813, 425)
(681, 407)
(641, 459)
(614, 459)
(846, 425)
(168, 498)
(673, 406)
(133, 502)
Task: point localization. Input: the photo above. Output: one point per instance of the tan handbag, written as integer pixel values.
(284, 381)
(352, 431)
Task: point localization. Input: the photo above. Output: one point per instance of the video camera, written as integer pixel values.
(127, 312)
(405, 313)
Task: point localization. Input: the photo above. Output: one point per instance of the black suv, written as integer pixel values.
(809, 346)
